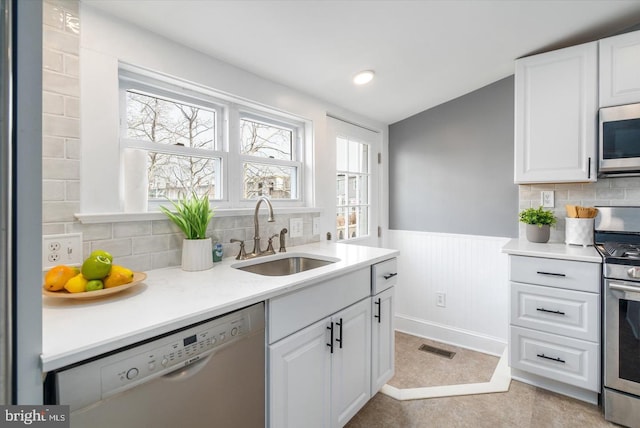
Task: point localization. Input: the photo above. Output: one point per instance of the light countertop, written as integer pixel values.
(169, 299)
(522, 247)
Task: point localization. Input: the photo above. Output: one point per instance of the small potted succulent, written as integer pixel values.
(539, 222)
(192, 215)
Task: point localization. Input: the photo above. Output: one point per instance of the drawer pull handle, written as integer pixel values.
(390, 275)
(379, 315)
(330, 344)
(559, 360)
(551, 274)
(339, 324)
(550, 311)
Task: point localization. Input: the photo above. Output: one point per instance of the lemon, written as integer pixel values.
(77, 284)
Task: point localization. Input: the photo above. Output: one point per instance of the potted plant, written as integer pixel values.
(192, 215)
(539, 222)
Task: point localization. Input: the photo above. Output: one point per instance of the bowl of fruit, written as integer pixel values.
(97, 277)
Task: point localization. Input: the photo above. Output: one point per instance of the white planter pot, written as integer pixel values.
(196, 254)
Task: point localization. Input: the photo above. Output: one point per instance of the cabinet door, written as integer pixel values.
(555, 115)
(620, 69)
(299, 379)
(382, 339)
(351, 371)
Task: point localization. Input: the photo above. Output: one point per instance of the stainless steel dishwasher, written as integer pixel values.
(211, 374)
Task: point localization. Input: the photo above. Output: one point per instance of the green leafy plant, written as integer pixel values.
(538, 216)
(192, 215)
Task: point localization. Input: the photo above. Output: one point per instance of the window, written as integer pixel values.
(180, 137)
(353, 177)
(269, 155)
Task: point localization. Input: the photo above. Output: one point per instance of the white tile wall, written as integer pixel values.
(140, 245)
(604, 192)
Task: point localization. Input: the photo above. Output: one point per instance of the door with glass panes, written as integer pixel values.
(357, 186)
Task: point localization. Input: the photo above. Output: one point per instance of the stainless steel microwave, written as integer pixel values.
(619, 131)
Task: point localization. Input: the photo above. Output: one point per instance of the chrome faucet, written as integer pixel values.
(257, 251)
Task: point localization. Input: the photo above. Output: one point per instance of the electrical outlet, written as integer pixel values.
(316, 225)
(547, 198)
(441, 300)
(64, 249)
(295, 227)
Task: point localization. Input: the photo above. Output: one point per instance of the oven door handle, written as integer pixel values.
(630, 292)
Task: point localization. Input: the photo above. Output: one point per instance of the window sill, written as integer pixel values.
(92, 218)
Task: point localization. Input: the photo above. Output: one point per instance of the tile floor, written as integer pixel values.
(523, 406)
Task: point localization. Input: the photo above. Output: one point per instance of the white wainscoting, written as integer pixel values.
(472, 272)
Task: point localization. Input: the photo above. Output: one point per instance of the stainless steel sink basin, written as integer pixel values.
(285, 266)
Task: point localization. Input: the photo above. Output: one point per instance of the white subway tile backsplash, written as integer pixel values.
(65, 42)
(131, 228)
(72, 189)
(60, 169)
(57, 211)
(93, 232)
(72, 107)
(60, 83)
(53, 190)
(60, 126)
(150, 244)
(52, 147)
(53, 228)
(52, 16)
(138, 263)
(72, 148)
(71, 65)
(52, 103)
(117, 247)
(167, 258)
(52, 60)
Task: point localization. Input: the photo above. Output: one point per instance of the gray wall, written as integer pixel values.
(451, 167)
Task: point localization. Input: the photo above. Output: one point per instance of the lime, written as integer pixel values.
(94, 285)
(96, 267)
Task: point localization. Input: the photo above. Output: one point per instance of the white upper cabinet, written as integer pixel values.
(555, 116)
(620, 69)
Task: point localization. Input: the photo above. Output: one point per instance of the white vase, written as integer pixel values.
(196, 254)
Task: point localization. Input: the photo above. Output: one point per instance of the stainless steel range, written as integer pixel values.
(617, 238)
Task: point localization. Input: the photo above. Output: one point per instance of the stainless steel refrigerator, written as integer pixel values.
(20, 201)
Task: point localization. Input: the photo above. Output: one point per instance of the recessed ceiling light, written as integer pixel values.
(363, 77)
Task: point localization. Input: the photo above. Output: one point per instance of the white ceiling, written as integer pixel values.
(424, 52)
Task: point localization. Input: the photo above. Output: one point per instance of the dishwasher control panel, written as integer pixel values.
(176, 351)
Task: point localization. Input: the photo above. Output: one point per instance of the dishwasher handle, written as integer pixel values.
(185, 372)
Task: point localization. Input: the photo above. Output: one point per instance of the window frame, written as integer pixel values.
(227, 146)
(347, 174)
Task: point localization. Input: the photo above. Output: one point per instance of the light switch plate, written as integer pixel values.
(547, 199)
(316, 225)
(295, 227)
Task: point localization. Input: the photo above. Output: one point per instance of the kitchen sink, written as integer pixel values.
(287, 265)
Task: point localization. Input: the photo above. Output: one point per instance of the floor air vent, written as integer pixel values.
(437, 351)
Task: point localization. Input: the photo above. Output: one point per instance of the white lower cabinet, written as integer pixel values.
(321, 375)
(555, 320)
(331, 347)
(382, 339)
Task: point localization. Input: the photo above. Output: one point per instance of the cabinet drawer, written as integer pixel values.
(555, 310)
(581, 276)
(572, 361)
(294, 311)
(384, 275)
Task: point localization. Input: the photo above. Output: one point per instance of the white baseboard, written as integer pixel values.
(500, 381)
(451, 335)
(555, 386)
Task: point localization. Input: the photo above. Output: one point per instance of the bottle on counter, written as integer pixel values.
(217, 252)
